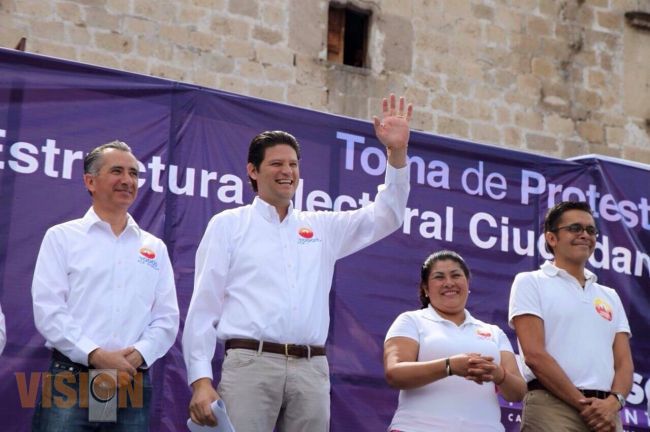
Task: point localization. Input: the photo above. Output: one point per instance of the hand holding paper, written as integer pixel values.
(223, 422)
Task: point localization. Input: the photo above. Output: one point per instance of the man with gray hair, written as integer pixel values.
(104, 298)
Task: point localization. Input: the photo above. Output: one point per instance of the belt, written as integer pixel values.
(598, 394)
(59, 356)
(289, 350)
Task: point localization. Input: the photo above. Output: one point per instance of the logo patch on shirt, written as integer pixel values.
(147, 253)
(484, 333)
(306, 235)
(148, 257)
(603, 309)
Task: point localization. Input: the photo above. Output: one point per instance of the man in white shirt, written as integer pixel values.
(573, 333)
(262, 280)
(104, 297)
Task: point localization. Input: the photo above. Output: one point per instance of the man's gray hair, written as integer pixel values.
(92, 161)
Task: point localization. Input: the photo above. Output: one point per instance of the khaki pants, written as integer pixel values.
(543, 412)
(264, 390)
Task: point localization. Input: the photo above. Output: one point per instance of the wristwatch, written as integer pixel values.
(620, 398)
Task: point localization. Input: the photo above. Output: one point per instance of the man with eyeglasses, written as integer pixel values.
(573, 333)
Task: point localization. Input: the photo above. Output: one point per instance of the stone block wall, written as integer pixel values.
(557, 77)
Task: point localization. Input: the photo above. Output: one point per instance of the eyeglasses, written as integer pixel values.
(577, 228)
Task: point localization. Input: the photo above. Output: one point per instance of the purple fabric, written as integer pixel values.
(50, 109)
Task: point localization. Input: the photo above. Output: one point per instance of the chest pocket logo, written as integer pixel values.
(603, 309)
(147, 253)
(484, 333)
(306, 235)
(148, 257)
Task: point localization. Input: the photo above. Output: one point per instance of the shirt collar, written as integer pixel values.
(434, 316)
(269, 212)
(90, 219)
(550, 269)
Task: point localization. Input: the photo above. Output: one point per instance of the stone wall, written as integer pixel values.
(558, 77)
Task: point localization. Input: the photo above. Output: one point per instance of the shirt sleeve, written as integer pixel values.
(210, 275)
(404, 326)
(356, 229)
(50, 288)
(524, 298)
(161, 332)
(503, 343)
(622, 324)
(3, 332)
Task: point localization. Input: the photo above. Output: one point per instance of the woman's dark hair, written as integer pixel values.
(425, 271)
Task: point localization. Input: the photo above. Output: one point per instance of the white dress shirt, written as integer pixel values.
(259, 278)
(3, 332)
(92, 290)
(580, 324)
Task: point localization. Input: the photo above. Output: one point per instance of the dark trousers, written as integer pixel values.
(65, 408)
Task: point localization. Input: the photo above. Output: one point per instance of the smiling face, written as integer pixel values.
(115, 184)
(447, 288)
(277, 176)
(568, 247)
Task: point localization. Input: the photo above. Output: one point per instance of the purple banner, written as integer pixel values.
(485, 202)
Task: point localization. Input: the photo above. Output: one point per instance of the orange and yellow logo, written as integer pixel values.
(603, 309)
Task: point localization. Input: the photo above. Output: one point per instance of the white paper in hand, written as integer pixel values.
(223, 422)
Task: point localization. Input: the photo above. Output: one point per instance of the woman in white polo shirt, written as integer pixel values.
(448, 365)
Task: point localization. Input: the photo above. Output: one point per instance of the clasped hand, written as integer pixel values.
(599, 414)
(476, 367)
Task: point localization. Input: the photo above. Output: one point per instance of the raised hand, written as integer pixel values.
(392, 129)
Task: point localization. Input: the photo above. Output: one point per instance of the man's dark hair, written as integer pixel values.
(554, 214)
(93, 160)
(425, 271)
(261, 142)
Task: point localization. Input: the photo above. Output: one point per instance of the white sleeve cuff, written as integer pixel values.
(198, 370)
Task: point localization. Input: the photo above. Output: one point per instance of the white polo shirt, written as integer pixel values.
(579, 323)
(452, 403)
(92, 290)
(260, 278)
